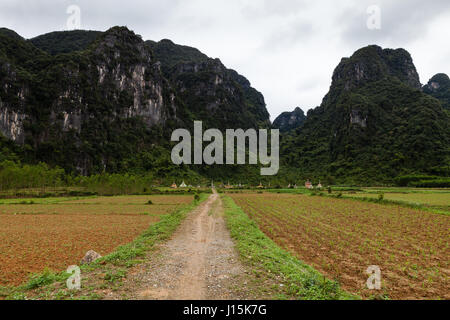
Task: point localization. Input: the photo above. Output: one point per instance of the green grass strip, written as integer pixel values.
(400, 203)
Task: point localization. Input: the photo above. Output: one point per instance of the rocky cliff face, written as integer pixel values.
(89, 100)
(118, 79)
(126, 73)
(12, 103)
(77, 98)
(15, 84)
(368, 67)
(288, 121)
(219, 96)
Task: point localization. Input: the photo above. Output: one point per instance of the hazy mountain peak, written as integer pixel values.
(289, 120)
(439, 87)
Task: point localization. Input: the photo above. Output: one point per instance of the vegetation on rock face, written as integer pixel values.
(208, 90)
(373, 63)
(439, 87)
(171, 54)
(65, 41)
(106, 102)
(94, 102)
(86, 110)
(373, 125)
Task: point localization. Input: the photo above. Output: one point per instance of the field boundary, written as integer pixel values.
(125, 256)
(386, 202)
(298, 280)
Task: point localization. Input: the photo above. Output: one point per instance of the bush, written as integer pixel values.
(408, 180)
(436, 183)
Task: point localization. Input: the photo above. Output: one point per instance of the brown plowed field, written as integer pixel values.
(342, 238)
(38, 236)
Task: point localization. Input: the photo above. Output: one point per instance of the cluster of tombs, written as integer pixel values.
(308, 185)
(182, 185)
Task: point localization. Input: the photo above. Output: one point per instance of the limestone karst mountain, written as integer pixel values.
(95, 102)
(375, 123)
(88, 101)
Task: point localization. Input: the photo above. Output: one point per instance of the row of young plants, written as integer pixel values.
(406, 242)
(258, 251)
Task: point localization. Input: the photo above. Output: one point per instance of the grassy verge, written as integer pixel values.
(338, 194)
(112, 267)
(388, 202)
(299, 281)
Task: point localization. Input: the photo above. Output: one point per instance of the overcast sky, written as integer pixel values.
(288, 49)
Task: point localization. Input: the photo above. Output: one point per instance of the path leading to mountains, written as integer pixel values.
(198, 262)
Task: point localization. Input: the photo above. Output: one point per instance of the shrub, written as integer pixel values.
(436, 183)
(409, 180)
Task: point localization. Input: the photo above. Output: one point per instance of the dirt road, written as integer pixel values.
(199, 262)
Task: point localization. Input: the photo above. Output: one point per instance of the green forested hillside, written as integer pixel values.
(221, 97)
(288, 121)
(107, 102)
(95, 102)
(73, 109)
(65, 41)
(439, 87)
(171, 54)
(373, 125)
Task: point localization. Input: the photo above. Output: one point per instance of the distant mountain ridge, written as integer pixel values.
(288, 121)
